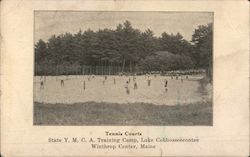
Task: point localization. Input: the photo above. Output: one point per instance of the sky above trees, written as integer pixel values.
(55, 23)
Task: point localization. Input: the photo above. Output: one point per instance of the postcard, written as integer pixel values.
(124, 78)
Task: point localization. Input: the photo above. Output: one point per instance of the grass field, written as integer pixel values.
(93, 113)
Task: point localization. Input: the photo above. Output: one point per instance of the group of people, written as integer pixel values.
(147, 76)
(127, 84)
(148, 83)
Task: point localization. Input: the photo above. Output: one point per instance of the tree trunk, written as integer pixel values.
(56, 72)
(123, 65)
(109, 67)
(84, 69)
(130, 66)
(102, 67)
(136, 68)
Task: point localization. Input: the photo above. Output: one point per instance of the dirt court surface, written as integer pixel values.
(112, 90)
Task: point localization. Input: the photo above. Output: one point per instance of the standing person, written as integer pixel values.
(187, 77)
(135, 85)
(166, 85)
(41, 85)
(149, 81)
(127, 87)
(84, 86)
(62, 83)
(181, 80)
(114, 80)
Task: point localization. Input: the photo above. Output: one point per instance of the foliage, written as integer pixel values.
(164, 60)
(203, 47)
(124, 49)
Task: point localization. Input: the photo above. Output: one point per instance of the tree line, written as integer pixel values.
(124, 49)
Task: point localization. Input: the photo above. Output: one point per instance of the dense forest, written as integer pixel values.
(124, 49)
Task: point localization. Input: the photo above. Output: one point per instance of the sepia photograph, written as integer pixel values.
(115, 68)
(124, 78)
